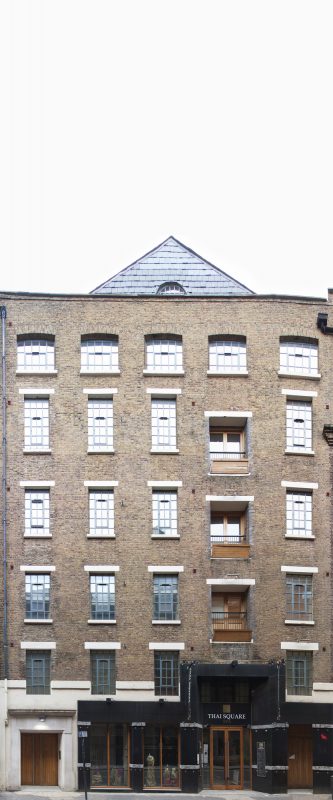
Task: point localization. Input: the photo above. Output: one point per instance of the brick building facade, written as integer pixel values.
(167, 530)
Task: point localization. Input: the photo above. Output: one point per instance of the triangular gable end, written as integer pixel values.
(172, 268)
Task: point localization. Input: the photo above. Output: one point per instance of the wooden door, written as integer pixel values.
(39, 759)
(27, 768)
(300, 757)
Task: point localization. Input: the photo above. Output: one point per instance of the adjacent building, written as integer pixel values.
(166, 534)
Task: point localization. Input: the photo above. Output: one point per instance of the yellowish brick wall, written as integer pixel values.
(262, 321)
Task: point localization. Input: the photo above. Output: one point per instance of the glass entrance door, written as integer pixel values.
(226, 758)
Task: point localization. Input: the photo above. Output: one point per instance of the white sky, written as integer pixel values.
(123, 122)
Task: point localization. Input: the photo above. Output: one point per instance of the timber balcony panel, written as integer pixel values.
(228, 466)
(230, 627)
(229, 550)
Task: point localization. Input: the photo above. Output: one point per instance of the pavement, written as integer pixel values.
(54, 793)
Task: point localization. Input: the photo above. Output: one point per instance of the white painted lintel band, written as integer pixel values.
(166, 646)
(102, 645)
(299, 646)
(38, 645)
(298, 485)
(33, 568)
(164, 484)
(36, 390)
(99, 391)
(229, 498)
(165, 570)
(164, 392)
(101, 568)
(300, 570)
(298, 393)
(37, 484)
(222, 414)
(100, 484)
(231, 581)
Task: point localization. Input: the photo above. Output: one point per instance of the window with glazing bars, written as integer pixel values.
(103, 672)
(299, 513)
(299, 597)
(227, 355)
(164, 355)
(166, 672)
(101, 513)
(36, 424)
(299, 425)
(299, 672)
(165, 513)
(227, 527)
(99, 355)
(100, 424)
(166, 597)
(227, 445)
(35, 355)
(163, 419)
(299, 358)
(102, 596)
(37, 596)
(37, 512)
(38, 672)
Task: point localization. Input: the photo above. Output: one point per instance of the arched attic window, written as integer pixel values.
(171, 287)
(164, 353)
(99, 353)
(227, 354)
(35, 352)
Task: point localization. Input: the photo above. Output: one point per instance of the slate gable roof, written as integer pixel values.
(172, 262)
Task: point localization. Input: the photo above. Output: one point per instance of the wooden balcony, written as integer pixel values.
(230, 627)
(229, 464)
(229, 547)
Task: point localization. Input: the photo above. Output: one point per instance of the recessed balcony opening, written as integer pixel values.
(228, 445)
(229, 530)
(229, 616)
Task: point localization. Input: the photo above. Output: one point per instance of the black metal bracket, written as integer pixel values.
(322, 323)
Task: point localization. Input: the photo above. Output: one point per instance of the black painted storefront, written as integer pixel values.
(265, 721)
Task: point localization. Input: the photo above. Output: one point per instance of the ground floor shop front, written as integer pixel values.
(231, 729)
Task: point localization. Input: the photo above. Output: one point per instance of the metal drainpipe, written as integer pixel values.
(4, 489)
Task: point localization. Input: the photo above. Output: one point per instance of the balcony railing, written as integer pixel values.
(229, 620)
(230, 626)
(228, 455)
(227, 538)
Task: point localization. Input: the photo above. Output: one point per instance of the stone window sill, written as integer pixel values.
(293, 452)
(219, 374)
(168, 373)
(37, 372)
(164, 451)
(29, 452)
(284, 374)
(99, 371)
(101, 450)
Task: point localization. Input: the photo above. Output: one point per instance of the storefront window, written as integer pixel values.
(109, 755)
(161, 757)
